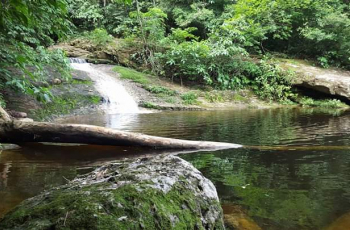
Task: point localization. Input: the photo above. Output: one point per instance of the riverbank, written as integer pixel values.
(157, 93)
(79, 95)
(168, 94)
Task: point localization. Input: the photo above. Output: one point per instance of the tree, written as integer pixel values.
(26, 28)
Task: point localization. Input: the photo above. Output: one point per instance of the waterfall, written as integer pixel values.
(77, 60)
(116, 98)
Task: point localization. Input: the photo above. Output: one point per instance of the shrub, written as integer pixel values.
(189, 98)
(99, 37)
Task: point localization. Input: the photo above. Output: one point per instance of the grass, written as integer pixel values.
(238, 97)
(79, 82)
(149, 105)
(133, 75)
(170, 100)
(61, 105)
(327, 103)
(214, 97)
(160, 90)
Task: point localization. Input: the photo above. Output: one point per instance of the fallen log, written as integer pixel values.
(16, 132)
(19, 132)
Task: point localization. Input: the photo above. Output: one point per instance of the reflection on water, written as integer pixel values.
(281, 189)
(299, 179)
(28, 171)
(249, 127)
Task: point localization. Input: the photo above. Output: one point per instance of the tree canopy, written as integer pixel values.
(205, 41)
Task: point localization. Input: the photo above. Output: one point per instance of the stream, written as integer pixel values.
(294, 172)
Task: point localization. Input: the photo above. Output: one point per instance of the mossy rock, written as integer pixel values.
(163, 192)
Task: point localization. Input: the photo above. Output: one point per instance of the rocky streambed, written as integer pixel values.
(162, 192)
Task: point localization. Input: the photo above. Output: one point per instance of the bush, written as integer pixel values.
(99, 37)
(273, 83)
(189, 98)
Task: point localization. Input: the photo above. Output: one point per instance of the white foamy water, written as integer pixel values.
(116, 98)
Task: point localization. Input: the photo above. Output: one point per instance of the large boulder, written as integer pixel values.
(332, 81)
(72, 51)
(163, 192)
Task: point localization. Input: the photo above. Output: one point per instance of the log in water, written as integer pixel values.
(21, 132)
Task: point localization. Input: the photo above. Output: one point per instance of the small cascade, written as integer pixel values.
(116, 98)
(77, 60)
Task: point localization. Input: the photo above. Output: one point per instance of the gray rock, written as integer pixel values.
(17, 114)
(334, 81)
(163, 192)
(9, 146)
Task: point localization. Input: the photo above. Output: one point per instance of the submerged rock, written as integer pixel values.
(236, 218)
(163, 192)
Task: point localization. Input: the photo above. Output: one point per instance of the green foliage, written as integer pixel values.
(161, 90)
(151, 24)
(238, 97)
(329, 34)
(87, 13)
(219, 64)
(181, 35)
(135, 76)
(91, 14)
(214, 97)
(99, 37)
(319, 29)
(61, 105)
(26, 28)
(189, 98)
(149, 105)
(273, 83)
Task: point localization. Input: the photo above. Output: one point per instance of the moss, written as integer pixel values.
(160, 90)
(95, 207)
(130, 74)
(149, 105)
(64, 104)
(78, 82)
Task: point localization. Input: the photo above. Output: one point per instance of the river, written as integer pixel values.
(293, 173)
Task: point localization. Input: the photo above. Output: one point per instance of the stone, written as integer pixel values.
(162, 192)
(236, 218)
(56, 81)
(343, 222)
(17, 114)
(334, 82)
(9, 147)
(24, 119)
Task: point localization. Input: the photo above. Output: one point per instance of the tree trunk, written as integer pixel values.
(12, 131)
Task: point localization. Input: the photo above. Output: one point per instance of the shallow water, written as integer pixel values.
(292, 174)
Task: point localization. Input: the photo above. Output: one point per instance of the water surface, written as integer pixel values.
(298, 177)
